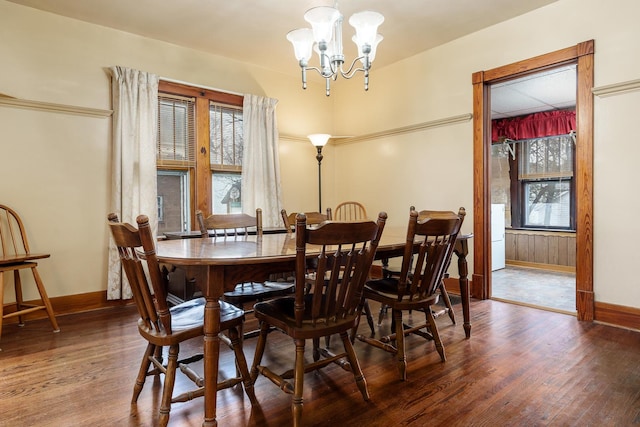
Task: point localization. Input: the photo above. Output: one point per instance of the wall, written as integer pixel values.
(55, 167)
(433, 168)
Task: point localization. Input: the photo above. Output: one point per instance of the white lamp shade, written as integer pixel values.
(374, 47)
(319, 139)
(302, 40)
(322, 20)
(366, 24)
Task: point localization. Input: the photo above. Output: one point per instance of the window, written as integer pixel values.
(544, 183)
(197, 169)
(226, 158)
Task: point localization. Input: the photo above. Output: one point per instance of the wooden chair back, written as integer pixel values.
(13, 237)
(347, 251)
(151, 301)
(230, 224)
(14, 246)
(289, 220)
(430, 243)
(349, 211)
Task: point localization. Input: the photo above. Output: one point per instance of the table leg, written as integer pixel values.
(461, 250)
(211, 352)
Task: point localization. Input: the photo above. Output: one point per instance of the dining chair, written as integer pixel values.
(345, 254)
(443, 289)
(289, 219)
(162, 326)
(314, 218)
(239, 226)
(390, 271)
(15, 255)
(349, 211)
(427, 253)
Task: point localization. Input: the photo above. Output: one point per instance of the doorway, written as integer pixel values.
(532, 183)
(582, 55)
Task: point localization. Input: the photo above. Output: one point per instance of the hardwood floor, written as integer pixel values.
(522, 366)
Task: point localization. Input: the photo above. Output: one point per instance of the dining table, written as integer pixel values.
(218, 264)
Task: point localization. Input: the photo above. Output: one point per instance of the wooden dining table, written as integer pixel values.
(217, 264)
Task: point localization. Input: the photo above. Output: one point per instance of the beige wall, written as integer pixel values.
(437, 84)
(55, 167)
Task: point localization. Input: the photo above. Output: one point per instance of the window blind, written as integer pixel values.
(176, 131)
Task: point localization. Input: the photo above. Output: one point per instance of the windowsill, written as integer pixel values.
(540, 231)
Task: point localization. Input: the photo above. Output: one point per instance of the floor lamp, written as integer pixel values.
(319, 140)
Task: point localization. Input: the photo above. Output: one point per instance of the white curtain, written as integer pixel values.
(133, 159)
(260, 160)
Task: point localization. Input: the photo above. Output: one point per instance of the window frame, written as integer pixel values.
(518, 193)
(200, 175)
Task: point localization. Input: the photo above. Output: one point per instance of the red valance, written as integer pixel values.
(536, 125)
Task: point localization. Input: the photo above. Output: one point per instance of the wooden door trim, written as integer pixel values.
(582, 55)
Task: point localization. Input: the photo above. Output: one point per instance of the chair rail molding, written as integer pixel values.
(389, 132)
(8, 101)
(616, 88)
(418, 127)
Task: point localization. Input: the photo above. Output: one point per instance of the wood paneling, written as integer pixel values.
(540, 247)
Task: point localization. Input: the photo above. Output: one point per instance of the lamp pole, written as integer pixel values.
(319, 140)
(319, 159)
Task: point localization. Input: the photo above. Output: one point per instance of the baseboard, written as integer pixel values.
(70, 304)
(552, 267)
(452, 285)
(610, 314)
(617, 315)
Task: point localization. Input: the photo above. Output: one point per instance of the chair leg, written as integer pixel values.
(142, 372)
(383, 312)
(400, 356)
(260, 345)
(447, 303)
(298, 384)
(1, 302)
(17, 284)
(355, 366)
(367, 312)
(316, 348)
(241, 364)
(433, 328)
(45, 300)
(167, 389)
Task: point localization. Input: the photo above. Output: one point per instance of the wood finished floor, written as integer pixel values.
(521, 367)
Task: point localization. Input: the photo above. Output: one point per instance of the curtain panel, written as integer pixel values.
(261, 161)
(133, 160)
(536, 125)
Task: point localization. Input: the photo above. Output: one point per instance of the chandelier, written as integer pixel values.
(325, 37)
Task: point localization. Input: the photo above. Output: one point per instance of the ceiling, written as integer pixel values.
(553, 89)
(254, 31)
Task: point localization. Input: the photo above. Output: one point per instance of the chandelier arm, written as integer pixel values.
(352, 71)
(316, 69)
(319, 71)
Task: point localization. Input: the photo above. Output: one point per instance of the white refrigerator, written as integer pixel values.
(497, 237)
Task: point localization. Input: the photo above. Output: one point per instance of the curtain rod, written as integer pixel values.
(166, 79)
(506, 142)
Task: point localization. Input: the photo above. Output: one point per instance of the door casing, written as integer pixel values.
(581, 54)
